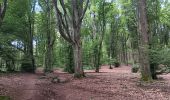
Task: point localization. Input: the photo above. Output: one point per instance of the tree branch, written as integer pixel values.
(63, 26)
(65, 18)
(3, 10)
(84, 11)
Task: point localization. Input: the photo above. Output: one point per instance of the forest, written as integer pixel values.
(84, 50)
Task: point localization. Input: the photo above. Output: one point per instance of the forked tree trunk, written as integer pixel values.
(69, 28)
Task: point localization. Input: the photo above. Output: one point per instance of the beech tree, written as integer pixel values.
(69, 19)
(143, 42)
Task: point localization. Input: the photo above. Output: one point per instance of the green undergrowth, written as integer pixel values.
(5, 98)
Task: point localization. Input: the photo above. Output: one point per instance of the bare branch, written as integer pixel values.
(61, 24)
(3, 10)
(84, 11)
(65, 18)
(41, 5)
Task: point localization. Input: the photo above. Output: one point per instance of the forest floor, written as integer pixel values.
(109, 84)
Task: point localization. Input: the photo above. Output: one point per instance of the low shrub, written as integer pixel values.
(117, 64)
(135, 68)
(26, 65)
(5, 98)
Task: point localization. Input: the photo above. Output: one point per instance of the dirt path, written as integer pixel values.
(28, 89)
(109, 84)
(19, 86)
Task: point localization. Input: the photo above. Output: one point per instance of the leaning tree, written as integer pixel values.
(70, 14)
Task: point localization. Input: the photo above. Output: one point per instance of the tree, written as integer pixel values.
(69, 24)
(98, 26)
(143, 42)
(28, 63)
(19, 23)
(47, 13)
(102, 29)
(3, 7)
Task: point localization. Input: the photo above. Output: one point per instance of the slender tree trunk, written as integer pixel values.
(48, 59)
(30, 42)
(126, 52)
(111, 48)
(99, 51)
(50, 40)
(102, 26)
(0, 63)
(143, 43)
(97, 57)
(29, 54)
(123, 51)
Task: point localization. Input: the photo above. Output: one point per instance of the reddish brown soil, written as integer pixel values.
(109, 84)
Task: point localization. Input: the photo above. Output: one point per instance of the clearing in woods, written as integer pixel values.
(109, 84)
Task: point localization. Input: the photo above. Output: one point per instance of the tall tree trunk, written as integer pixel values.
(96, 58)
(30, 44)
(99, 51)
(50, 40)
(143, 43)
(78, 60)
(126, 55)
(102, 24)
(48, 59)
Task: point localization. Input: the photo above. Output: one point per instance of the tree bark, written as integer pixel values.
(48, 59)
(143, 42)
(78, 60)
